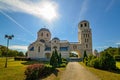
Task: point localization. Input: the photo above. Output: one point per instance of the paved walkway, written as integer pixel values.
(75, 71)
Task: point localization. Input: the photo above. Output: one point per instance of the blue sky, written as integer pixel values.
(23, 19)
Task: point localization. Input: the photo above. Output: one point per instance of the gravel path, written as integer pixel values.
(75, 71)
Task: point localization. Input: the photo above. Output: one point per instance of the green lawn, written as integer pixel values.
(104, 75)
(15, 70)
(118, 64)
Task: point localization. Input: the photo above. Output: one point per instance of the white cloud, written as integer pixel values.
(118, 43)
(102, 47)
(44, 9)
(18, 47)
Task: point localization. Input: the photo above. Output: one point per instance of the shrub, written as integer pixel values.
(90, 57)
(48, 69)
(21, 59)
(38, 71)
(34, 71)
(63, 65)
(107, 61)
(95, 63)
(117, 57)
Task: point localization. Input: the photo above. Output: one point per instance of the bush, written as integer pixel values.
(34, 71)
(21, 59)
(107, 62)
(90, 57)
(117, 57)
(38, 71)
(48, 69)
(63, 65)
(95, 63)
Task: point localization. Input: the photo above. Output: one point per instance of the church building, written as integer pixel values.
(44, 45)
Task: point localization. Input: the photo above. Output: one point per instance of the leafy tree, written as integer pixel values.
(20, 54)
(107, 61)
(111, 50)
(119, 50)
(26, 54)
(0, 53)
(3, 50)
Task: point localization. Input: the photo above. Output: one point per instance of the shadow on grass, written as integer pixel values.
(117, 70)
(55, 72)
(34, 62)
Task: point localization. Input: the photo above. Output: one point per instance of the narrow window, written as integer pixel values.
(85, 24)
(88, 35)
(84, 35)
(81, 25)
(47, 35)
(86, 45)
(87, 40)
(41, 34)
(39, 49)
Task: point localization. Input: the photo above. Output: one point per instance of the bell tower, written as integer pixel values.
(85, 36)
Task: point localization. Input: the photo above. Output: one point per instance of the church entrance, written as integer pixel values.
(47, 55)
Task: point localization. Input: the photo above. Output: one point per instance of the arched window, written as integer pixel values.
(47, 35)
(85, 24)
(86, 45)
(81, 25)
(39, 49)
(41, 34)
(87, 40)
(88, 35)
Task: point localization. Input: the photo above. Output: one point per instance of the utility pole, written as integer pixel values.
(8, 37)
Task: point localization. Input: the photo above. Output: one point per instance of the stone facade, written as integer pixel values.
(44, 45)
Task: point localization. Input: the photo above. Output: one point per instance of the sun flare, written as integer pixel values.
(48, 11)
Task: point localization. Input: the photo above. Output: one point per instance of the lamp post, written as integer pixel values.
(9, 37)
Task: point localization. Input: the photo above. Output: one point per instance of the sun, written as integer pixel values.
(48, 11)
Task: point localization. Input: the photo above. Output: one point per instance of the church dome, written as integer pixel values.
(55, 38)
(44, 34)
(84, 21)
(44, 29)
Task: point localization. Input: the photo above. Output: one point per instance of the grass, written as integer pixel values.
(54, 76)
(118, 64)
(15, 70)
(102, 74)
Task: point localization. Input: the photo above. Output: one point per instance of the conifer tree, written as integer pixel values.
(59, 59)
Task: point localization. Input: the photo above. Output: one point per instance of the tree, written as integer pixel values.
(26, 54)
(118, 49)
(85, 56)
(59, 59)
(107, 61)
(0, 53)
(53, 60)
(20, 54)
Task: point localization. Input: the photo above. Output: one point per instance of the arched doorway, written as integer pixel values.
(47, 55)
(76, 54)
